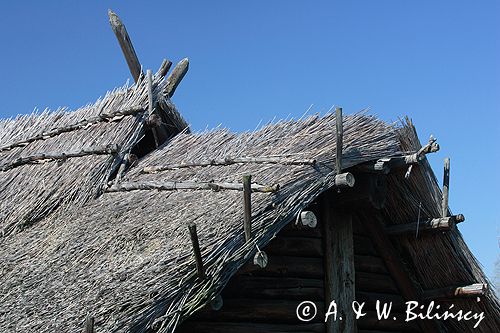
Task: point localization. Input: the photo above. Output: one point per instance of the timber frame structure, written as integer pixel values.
(116, 218)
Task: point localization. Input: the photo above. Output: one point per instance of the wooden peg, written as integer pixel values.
(196, 250)
(247, 202)
(446, 186)
(340, 133)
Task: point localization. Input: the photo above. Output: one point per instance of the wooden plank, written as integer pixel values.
(258, 311)
(393, 262)
(375, 282)
(126, 45)
(339, 265)
(295, 246)
(248, 327)
(446, 187)
(285, 288)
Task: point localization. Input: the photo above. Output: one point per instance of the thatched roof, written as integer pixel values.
(125, 257)
(97, 136)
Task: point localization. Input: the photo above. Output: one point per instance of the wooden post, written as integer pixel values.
(247, 202)
(339, 266)
(164, 68)
(446, 186)
(89, 325)
(126, 45)
(196, 250)
(176, 76)
(340, 133)
(149, 76)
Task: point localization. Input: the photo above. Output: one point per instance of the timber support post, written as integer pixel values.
(339, 266)
(247, 202)
(196, 249)
(340, 133)
(126, 45)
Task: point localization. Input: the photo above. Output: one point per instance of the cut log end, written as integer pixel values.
(345, 180)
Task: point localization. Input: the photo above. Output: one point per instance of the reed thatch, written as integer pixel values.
(54, 159)
(126, 259)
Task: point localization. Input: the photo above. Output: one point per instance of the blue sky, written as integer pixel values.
(436, 61)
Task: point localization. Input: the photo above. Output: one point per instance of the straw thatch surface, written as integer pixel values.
(126, 259)
(438, 260)
(30, 192)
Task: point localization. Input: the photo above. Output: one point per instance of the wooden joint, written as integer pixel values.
(473, 290)
(344, 180)
(196, 249)
(247, 203)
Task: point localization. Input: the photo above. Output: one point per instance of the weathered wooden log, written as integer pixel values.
(473, 290)
(344, 180)
(176, 77)
(45, 157)
(126, 45)
(437, 224)
(258, 310)
(196, 250)
(232, 160)
(340, 134)
(446, 187)
(285, 288)
(73, 127)
(164, 68)
(149, 77)
(89, 325)
(248, 327)
(306, 219)
(187, 185)
(340, 274)
(247, 206)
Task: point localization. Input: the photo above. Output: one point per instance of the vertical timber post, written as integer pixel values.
(339, 266)
(247, 202)
(446, 186)
(340, 133)
(196, 249)
(89, 325)
(149, 77)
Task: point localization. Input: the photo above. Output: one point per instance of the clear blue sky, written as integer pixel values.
(437, 61)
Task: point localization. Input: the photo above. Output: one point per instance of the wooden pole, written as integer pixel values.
(339, 265)
(164, 68)
(89, 325)
(150, 103)
(247, 202)
(437, 224)
(176, 76)
(473, 290)
(446, 186)
(340, 133)
(126, 45)
(196, 250)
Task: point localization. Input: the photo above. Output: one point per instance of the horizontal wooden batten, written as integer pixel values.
(59, 156)
(188, 185)
(230, 161)
(473, 290)
(284, 288)
(375, 282)
(74, 126)
(249, 327)
(436, 224)
(258, 311)
(370, 321)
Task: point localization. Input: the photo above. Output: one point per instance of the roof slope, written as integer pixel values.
(126, 258)
(87, 145)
